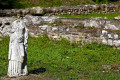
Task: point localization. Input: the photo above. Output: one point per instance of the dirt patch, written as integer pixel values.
(30, 77)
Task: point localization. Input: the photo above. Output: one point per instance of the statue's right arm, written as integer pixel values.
(2, 26)
(12, 30)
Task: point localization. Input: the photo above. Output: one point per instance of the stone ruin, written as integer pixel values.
(75, 30)
(69, 10)
(86, 30)
(79, 30)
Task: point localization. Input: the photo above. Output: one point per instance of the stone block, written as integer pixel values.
(44, 27)
(104, 41)
(116, 43)
(116, 36)
(110, 42)
(110, 36)
(104, 33)
(54, 28)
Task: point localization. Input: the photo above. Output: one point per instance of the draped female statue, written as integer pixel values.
(17, 49)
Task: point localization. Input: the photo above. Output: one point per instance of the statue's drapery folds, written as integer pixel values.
(18, 49)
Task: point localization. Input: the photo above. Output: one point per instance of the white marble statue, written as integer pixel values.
(17, 49)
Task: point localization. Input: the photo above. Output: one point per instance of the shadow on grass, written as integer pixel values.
(37, 71)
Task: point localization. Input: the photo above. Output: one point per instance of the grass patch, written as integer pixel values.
(106, 1)
(101, 15)
(48, 3)
(65, 60)
(51, 3)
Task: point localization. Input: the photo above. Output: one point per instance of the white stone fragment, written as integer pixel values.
(39, 10)
(54, 28)
(55, 37)
(110, 36)
(115, 36)
(43, 27)
(91, 23)
(110, 42)
(116, 43)
(104, 32)
(67, 29)
(49, 18)
(117, 17)
(104, 41)
(112, 27)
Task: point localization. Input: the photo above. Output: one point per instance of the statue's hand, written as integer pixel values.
(22, 58)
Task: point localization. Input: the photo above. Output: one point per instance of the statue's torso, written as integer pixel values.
(16, 44)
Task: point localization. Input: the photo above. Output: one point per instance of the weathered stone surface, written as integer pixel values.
(71, 10)
(117, 17)
(111, 68)
(18, 49)
(116, 36)
(37, 10)
(94, 22)
(74, 29)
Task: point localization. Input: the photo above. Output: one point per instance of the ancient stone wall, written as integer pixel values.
(74, 29)
(70, 10)
(83, 35)
(84, 9)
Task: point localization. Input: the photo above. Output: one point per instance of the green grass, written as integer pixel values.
(65, 60)
(102, 15)
(106, 1)
(55, 3)
(50, 3)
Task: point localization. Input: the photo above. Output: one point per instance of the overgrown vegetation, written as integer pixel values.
(48, 3)
(101, 15)
(106, 1)
(65, 60)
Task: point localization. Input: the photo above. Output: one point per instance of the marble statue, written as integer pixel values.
(17, 49)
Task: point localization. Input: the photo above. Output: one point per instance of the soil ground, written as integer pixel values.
(30, 77)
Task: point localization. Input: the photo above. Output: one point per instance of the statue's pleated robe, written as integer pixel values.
(17, 50)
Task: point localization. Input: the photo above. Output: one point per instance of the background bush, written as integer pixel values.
(8, 4)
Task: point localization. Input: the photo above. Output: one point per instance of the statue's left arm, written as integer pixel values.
(26, 39)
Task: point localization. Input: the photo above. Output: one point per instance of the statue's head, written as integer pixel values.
(18, 23)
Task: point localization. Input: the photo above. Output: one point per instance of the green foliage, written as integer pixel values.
(101, 1)
(105, 1)
(101, 15)
(98, 76)
(48, 3)
(4, 56)
(8, 4)
(79, 26)
(42, 3)
(65, 60)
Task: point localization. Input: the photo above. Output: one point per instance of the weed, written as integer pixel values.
(64, 60)
(101, 15)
